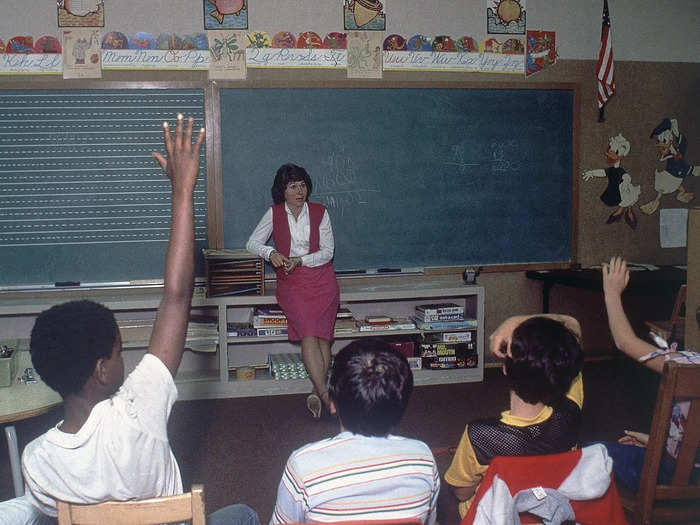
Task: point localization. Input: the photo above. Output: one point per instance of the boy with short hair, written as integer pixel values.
(112, 443)
(542, 363)
(365, 472)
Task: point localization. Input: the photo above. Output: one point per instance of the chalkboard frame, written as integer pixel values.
(216, 212)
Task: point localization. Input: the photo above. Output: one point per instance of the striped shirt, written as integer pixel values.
(356, 477)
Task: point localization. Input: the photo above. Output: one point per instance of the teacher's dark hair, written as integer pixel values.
(285, 174)
(370, 385)
(68, 339)
(545, 358)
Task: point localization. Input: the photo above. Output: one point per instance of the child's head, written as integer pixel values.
(67, 341)
(544, 359)
(370, 385)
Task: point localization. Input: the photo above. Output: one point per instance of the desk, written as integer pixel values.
(22, 401)
(665, 280)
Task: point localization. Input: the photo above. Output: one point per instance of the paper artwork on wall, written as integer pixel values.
(225, 14)
(227, 55)
(512, 46)
(364, 15)
(81, 53)
(620, 193)
(364, 54)
(81, 13)
(671, 145)
(673, 227)
(505, 17)
(541, 51)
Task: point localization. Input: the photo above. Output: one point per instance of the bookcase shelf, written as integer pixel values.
(212, 374)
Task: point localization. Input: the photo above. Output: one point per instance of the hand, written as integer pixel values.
(182, 163)
(277, 259)
(500, 339)
(291, 263)
(615, 276)
(638, 439)
(587, 175)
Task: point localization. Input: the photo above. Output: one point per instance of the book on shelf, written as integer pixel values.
(378, 319)
(345, 325)
(394, 324)
(445, 325)
(269, 311)
(261, 321)
(235, 329)
(451, 337)
(271, 331)
(439, 317)
(440, 308)
(343, 313)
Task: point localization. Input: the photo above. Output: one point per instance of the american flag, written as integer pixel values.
(605, 70)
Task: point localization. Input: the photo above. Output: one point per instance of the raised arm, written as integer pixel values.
(500, 339)
(615, 279)
(181, 166)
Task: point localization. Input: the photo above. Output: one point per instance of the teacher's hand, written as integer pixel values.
(277, 259)
(291, 263)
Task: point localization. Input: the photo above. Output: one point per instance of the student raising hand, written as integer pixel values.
(182, 162)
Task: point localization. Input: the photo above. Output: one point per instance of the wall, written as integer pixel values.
(657, 76)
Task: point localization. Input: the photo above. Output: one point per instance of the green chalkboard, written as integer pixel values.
(411, 176)
(81, 198)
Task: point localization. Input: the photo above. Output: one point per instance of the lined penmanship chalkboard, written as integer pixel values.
(81, 198)
(412, 175)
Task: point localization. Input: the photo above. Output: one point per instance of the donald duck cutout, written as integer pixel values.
(620, 193)
(671, 145)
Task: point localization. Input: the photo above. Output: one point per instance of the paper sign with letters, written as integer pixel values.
(227, 55)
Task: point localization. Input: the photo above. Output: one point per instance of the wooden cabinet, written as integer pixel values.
(210, 375)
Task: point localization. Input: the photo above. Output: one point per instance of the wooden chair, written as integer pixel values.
(672, 329)
(678, 502)
(166, 509)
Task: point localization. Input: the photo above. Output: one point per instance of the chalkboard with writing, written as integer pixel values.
(411, 176)
(81, 198)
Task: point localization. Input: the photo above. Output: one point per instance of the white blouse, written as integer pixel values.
(299, 229)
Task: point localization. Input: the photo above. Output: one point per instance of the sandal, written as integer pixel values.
(313, 403)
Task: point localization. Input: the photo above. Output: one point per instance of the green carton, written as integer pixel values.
(8, 362)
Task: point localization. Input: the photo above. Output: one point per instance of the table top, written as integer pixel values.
(22, 401)
(664, 279)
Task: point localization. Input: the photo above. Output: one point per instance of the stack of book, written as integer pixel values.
(231, 272)
(269, 321)
(345, 321)
(202, 333)
(442, 317)
(377, 323)
(241, 329)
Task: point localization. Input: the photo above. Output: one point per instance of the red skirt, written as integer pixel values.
(309, 298)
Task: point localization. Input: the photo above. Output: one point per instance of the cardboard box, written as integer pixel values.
(440, 355)
(8, 364)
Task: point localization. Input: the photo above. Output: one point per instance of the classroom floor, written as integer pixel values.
(237, 447)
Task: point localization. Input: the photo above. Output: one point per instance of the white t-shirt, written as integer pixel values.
(121, 452)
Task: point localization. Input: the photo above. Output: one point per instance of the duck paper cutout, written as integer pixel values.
(672, 146)
(620, 193)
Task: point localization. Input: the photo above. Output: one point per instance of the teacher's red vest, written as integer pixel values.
(280, 227)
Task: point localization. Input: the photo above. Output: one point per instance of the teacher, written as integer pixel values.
(307, 290)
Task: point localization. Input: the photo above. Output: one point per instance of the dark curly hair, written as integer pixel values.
(68, 339)
(370, 385)
(285, 174)
(546, 357)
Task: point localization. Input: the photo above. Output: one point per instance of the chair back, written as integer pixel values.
(657, 503)
(404, 521)
(672, 329)
(583, 477)
(166, 509)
